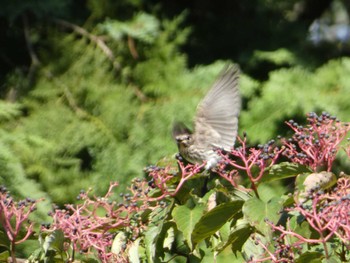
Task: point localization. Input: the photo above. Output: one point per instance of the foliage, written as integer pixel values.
(90, 89)
(76, 114)
(289, 93)
(174, 217)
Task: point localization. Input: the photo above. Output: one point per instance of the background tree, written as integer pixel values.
(90, 89)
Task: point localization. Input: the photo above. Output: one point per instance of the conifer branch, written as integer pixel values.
(77, 109)
(93, 38)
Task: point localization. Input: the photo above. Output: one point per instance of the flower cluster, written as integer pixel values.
(316, 144)
(14, 218)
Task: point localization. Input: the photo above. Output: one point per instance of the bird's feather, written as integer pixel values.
(216, 121)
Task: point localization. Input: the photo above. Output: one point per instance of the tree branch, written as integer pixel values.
(93, 38)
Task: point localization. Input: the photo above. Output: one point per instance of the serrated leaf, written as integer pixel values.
(213, 220)
(256, 211)
(186, 218)
(150, 242)
(283, 170)
(153, 236)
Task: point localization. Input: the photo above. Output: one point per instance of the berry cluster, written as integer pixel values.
(161, 178)
(316, 144)
(326, 213)
(253, 161)
(14, 218)
(92, 225)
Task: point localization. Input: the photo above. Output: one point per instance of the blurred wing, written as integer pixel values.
(216, 121)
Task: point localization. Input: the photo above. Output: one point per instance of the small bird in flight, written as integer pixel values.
(215, 123)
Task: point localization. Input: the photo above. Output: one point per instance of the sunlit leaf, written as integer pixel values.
(133, 252)
(186, 218)
(283, 170)
(256, 211)
(118, 242)
(238, 236)
(213, 220)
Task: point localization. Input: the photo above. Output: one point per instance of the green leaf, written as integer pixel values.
(54, 241)
(186, 218)
(332, 259)
(213, 220)
(153, 236)
(118, 242)
(270, 190)
(302, 228)
(225, 256)
(256, 211)
(238, 236)
(253, 250)
(150, 242)
(226, 228)
(4, 256)
(169, 238)
(134, 256)
(283, 170)
(311, 257)
(239, 194)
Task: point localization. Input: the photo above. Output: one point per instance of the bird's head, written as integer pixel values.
(182, 135)
(184, 140)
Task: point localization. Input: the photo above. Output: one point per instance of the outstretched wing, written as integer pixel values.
(216, 121)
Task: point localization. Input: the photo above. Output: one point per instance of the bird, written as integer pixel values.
(215, 122)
